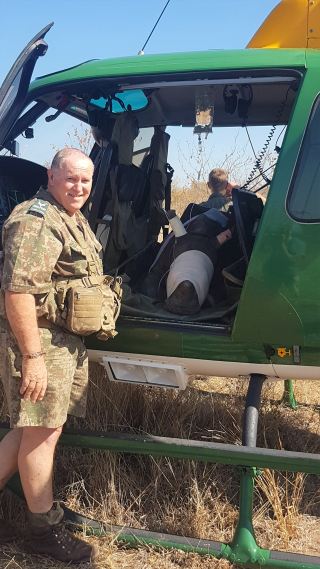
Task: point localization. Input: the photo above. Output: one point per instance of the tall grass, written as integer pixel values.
(196, 192)
(186, 497)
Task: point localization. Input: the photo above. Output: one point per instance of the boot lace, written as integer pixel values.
(66, 540)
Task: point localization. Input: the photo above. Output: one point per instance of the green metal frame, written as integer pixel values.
(289, 396)
(244, 548)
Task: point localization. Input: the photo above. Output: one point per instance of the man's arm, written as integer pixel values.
(21, 313)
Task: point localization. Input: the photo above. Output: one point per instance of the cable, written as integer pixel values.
(261, 188)
(259, 158)
(258, 165)
(114, 272)
(256, 179)
(258, 182)
(141, 52)
(285, 126)
(161, 281)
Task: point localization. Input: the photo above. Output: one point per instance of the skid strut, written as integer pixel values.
(288, 395)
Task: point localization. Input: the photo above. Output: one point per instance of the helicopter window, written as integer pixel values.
(134, 99)
(303, 202)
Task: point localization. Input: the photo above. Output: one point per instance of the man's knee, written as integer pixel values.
(35, 436)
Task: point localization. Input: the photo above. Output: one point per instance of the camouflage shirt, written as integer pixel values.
(42, 242)
(217, 201)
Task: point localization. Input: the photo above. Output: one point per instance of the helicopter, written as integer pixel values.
(267, 321)
(264, 323)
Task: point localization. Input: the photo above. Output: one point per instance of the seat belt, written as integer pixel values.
(167, 196)
(97, 194)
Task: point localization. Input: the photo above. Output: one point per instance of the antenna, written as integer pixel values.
(141, 52)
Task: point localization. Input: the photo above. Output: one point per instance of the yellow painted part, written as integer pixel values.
(292, 23)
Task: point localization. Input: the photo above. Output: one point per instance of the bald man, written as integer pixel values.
(44, 367)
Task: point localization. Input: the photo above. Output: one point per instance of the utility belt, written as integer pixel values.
(84, 306)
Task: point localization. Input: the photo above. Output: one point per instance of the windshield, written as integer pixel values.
(120, 102)
(10, 94)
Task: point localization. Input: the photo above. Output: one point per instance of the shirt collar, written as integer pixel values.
(44, 194)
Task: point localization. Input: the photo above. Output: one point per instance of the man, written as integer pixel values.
(44, 368)
(219, 199)
(220, 189)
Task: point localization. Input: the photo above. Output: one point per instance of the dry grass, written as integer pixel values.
(184, 497)
(197, 192)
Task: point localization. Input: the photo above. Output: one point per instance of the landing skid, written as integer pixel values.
(248, 458)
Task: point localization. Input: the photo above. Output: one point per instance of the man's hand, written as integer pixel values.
(224, 236)
(34, 379)
(21, 313)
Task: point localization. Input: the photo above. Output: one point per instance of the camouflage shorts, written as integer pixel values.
(67, 366)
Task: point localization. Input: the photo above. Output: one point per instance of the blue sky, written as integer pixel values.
(103, 28)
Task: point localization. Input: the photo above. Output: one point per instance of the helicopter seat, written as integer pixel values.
(128, 230)
(246, 211)
(155, 167)
(19, 181)
(234, 276)
(135, 197)
(120, 230)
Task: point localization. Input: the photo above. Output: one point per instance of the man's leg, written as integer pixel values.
(46, 533)
(35, 460)
(31, 449)
(9, 449)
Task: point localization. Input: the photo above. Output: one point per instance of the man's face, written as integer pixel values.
(71, 183)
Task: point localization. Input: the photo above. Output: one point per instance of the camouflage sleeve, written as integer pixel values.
(31, 250)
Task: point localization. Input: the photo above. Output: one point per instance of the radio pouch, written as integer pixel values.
(84, 310)
(85, 306)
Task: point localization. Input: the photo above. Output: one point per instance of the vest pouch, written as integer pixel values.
(111, 305)
(84, 306)
(84, 309)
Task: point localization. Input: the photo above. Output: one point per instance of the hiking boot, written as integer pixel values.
(183, 300)
(48, 536)
(7, 532)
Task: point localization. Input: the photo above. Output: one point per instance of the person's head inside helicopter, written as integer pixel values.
(220, 188)
(219, 199)
(218, 182)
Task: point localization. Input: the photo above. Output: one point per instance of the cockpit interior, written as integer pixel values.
(131, 204)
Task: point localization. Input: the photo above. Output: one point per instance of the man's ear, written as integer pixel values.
(50, 174)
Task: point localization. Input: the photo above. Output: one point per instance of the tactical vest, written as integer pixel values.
(84, 305)
(85, 302)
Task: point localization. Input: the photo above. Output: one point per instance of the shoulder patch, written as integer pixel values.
(39, 207)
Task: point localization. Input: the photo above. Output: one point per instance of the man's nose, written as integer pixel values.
(78, 186)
